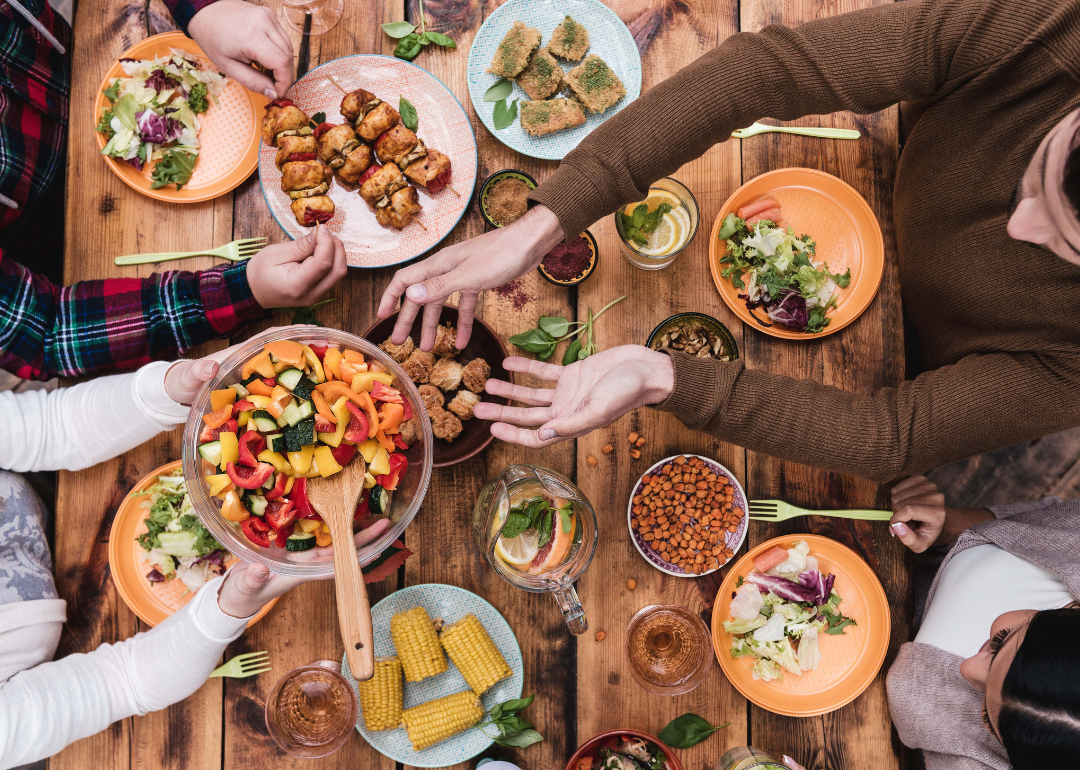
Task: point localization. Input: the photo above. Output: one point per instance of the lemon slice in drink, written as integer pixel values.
(518, 551)
(664, 239)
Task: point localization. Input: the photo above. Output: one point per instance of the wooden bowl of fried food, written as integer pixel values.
(450, 381)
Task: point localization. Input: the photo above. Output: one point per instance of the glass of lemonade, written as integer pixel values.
(312, 710)
(748, 758)
(673, 232)
(668, 649)
(537, 530)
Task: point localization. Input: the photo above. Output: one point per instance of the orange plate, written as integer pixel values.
(152, 602)
(849, 662)
(228, 135)
(832, 213)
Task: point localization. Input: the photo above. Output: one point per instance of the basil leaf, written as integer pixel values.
(564, 519)
(515, 705)
(556, 326)
(687, 730)
(398, 29)
(439, 38)
(499, 90)
(571, 354)
(505, 114)
(534, 341)
(520, 740)
(408, 47)
(408, 113)
(496, 712)
(318, 117)
(513, 724)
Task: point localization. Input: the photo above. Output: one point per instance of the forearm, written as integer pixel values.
(47, 707)
(958, 520)
(74, 428)
(976, 405)
(184, 10)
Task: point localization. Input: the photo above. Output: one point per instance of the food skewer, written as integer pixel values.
(303, 177)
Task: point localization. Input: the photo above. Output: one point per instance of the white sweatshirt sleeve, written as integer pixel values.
(74, 428)
(45, 708)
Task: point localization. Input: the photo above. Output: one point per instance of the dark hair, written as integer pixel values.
(1039, 721)
(1071, 183)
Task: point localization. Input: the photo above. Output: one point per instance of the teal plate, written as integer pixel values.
(608, 38)
(451, 604)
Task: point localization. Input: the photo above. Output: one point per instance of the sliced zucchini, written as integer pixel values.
(289, 377)
(256, 504)
(300, 541)
(303, 387)
(270, 481)
(378, 500)
(264, 421)
(292, 415)
(307, 409)
(251, 378)
(211, 452)
(305, 430)
(292, 439)
(241, 391)
(275, 442)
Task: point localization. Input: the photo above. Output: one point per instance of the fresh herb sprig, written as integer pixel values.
(551, 330)
(536, 513)
(637, 226)
(317, 118)
(306, 315)
(197, 99)
(836, 619)
(514, 731)
(175, 167)
(687, 730)
(411, 42)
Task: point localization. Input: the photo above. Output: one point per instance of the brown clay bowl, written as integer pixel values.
(485, 344)
(591, 746)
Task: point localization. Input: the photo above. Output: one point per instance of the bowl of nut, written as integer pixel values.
(696, 334)
(687, 515)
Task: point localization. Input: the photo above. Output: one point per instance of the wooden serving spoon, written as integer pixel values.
(335, 499)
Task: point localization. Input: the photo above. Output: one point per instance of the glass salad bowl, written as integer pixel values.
(404, 502)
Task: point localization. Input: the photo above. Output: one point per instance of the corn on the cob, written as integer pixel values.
(438, 719)
(381, 696)
(476, 656)
(417, 644)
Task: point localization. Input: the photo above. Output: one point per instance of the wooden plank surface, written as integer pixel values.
(582, 686)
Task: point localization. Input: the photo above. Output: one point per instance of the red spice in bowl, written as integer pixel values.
(571, 262)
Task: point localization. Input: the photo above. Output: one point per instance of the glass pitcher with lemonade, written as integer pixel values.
(537, 530)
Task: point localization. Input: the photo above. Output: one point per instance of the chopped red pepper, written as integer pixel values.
(319, 350)
(398, 464)
(251, 443)
(280, 482)
(359, 428)
(344, 454)
(280, 103)
(300, 500)
(296, 156)
(256, 530)
(399, 442)
(380, 392)
(212, 434)
(439, 182)
(281, 537)
(369, 173)
(362, 509)
(249, 478)
(321, 129)
(243, 405)
(408, 410)
(269, 382)
(311, 216)
(280, 514)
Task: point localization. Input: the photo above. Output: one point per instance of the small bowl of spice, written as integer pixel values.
(570, 263)
(696, 334)
(504, 196)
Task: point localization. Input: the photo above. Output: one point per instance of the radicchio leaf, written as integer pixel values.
(814, 580)
(160, 80)
(790, 311)
(157, 129)
(155, 577)
(782, 587)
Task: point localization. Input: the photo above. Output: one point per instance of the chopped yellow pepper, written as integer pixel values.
(233, 509)
(380, 464)
(328, 465)
(368, 449)
(364, 382)
(230, 448)
(259, 402)
(330, 364)
(343, 415)
(310, 525)
(316, 366)
(274, 458)
(244, 418)
(218, 482)
(301, 461)
(218, 398)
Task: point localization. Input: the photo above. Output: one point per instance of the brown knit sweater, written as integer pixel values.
(998, 321)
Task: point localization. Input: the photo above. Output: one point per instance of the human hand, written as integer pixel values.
(917, 501)
(234, 34)
(297, 273)
(483, 262)
(185, 377)
(248, 587)
(589, 394)
(791, 763)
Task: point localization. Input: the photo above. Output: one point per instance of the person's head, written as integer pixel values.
(1029, 671)
(1045, 209)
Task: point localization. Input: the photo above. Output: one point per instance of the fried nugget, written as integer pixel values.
(444, 341)
(542, 77)
(399, 352)
(514, 51)
(475, 375)
(444, 425)
(569, 41)
(595, 84)
(433, 397)
(551, 115)
(418, 365)
(446, 375)
(463, 403)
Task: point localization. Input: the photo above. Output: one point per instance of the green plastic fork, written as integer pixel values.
(778, 510)
(821, 132)
(234, 252)
(241, 666)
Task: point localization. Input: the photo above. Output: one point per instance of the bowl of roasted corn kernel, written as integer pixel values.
(444, 658)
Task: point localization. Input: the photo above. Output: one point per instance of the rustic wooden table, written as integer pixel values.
(582, 686)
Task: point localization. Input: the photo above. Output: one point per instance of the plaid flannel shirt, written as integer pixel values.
(92, 326)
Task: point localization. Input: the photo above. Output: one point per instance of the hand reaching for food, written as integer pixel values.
(235, 34)
(469, 267)
(297, 273)
(590, 394)
(919, 513)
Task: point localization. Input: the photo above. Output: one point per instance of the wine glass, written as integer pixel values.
(324, 14)
(312, 710)
(668, 649)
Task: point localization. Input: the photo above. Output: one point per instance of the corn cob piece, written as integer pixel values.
(438, 719)
(476, 656)
(381, 696)
(417, 644)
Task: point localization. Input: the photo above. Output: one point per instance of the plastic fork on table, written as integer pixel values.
(778, 510)
(818, 131)
(234, 252)
(248, 664)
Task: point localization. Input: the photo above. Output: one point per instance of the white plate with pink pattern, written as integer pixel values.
(442, 124)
